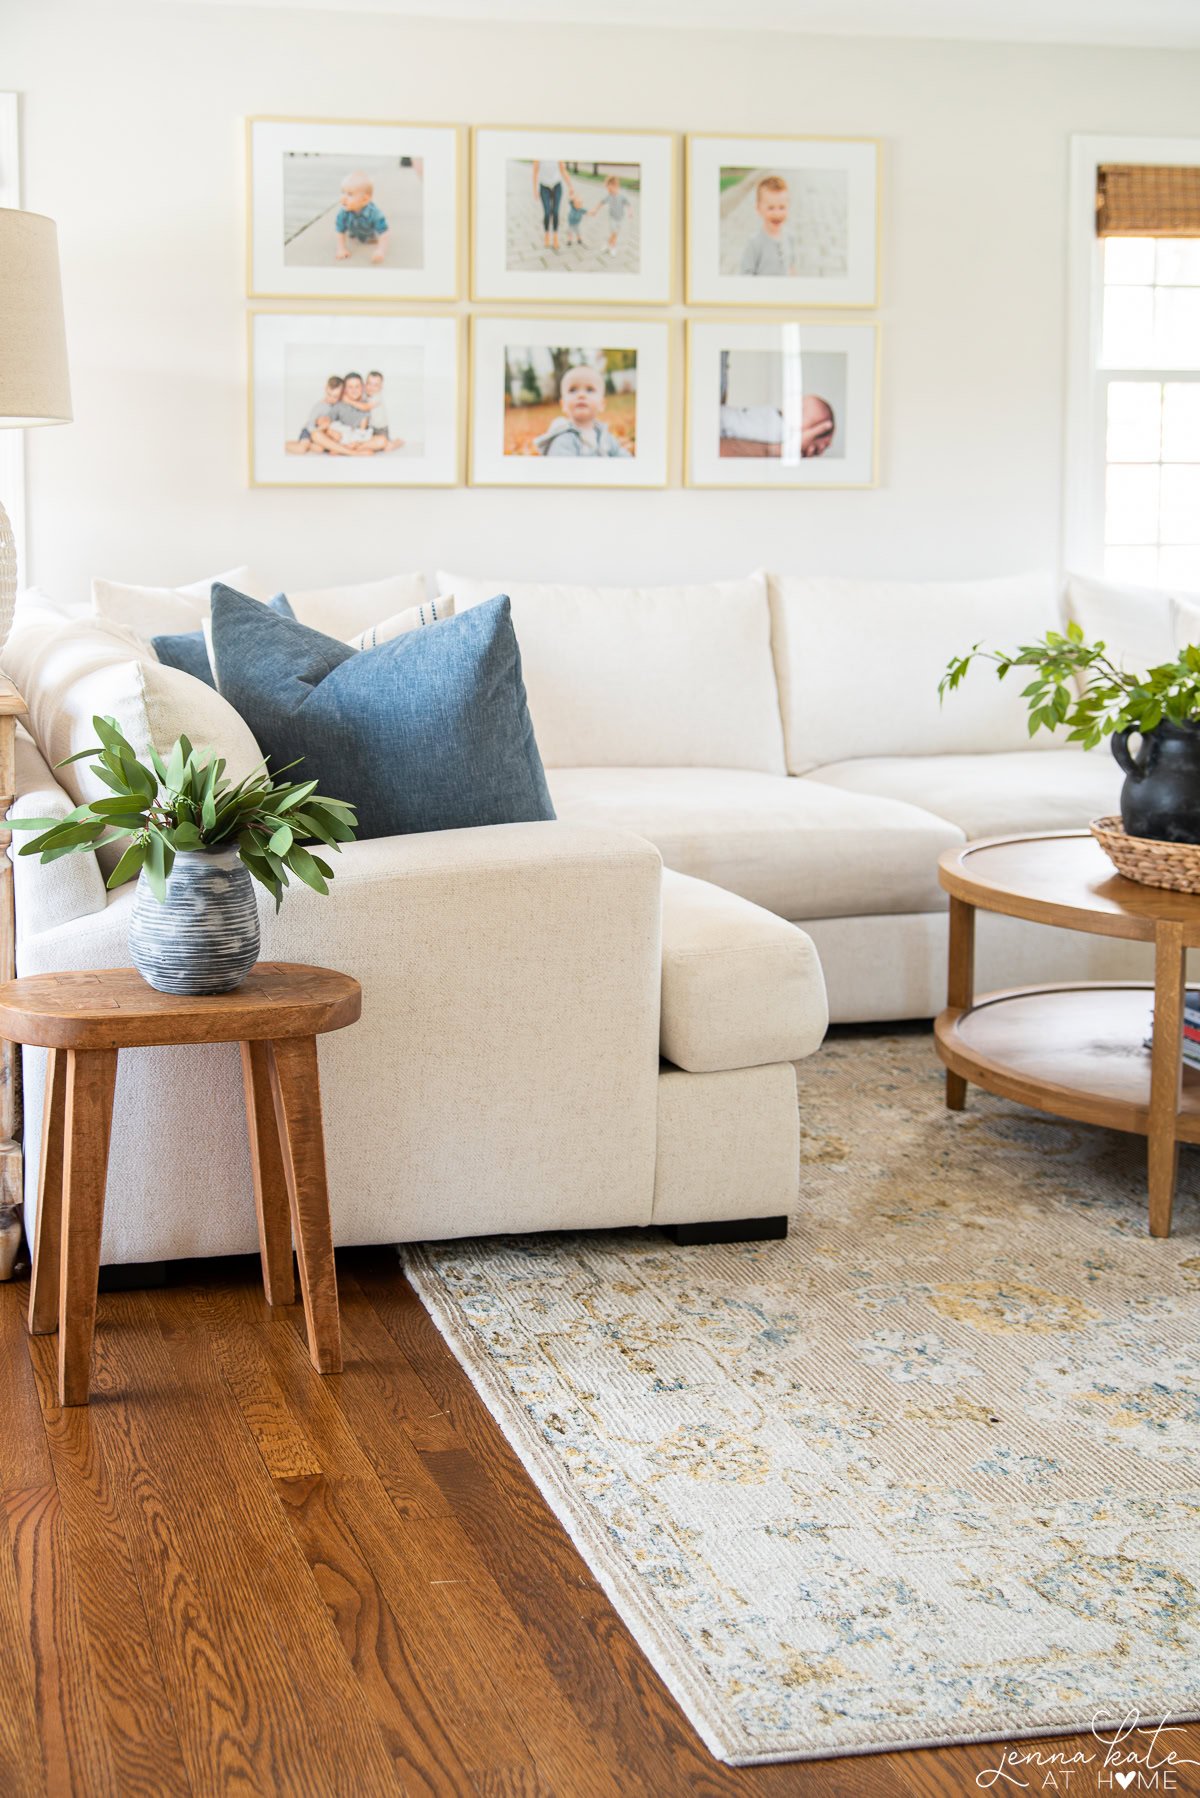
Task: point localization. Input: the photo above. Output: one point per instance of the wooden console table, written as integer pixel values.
(84, 1020)
(1075, 1049)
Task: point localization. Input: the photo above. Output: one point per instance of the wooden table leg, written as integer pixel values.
(1166, 1069)
(960, 984)
(91, 1078)
(47, 1245)
(270, 1181)
(296, 1089)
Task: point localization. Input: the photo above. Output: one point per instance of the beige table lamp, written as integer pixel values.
(34, 387)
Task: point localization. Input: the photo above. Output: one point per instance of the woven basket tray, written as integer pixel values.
(1154, 864)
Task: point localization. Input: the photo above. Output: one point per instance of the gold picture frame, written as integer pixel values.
(857, 411)
(857, 160)
(490, 284)
(267, 277)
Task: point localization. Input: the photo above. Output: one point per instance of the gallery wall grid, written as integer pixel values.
(352, 220)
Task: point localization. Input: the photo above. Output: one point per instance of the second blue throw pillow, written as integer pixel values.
(428, 731)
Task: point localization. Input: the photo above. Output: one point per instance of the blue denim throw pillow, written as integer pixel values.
(428, 731)
(188, 651)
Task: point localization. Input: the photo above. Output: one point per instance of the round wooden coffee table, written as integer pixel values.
(1075, 1049)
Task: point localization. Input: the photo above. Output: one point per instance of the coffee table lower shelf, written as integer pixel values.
(1077, 1051)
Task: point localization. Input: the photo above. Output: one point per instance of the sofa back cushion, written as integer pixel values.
(644, 677)
(338, 611)
(859, 664)
(1139, 626)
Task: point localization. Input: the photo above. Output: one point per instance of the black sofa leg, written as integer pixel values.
(742, 1229)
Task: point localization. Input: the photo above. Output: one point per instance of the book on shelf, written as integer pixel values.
(1191, 1029)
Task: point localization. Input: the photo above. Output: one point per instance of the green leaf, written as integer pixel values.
(129, 865)
(305, 868)
(281, 841)
(156, 866)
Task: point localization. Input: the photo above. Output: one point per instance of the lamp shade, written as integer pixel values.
(34, 385)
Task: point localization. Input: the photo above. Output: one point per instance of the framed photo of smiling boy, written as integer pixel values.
(568, 402)
(782, 221)
(345, 209)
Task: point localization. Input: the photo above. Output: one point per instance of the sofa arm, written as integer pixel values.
(503, 1075)
(72, 887)
(741, 988)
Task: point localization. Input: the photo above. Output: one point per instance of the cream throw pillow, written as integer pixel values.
(338, 611)
(70, 673)
(430, 611)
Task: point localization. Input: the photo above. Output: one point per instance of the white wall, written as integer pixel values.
(133, 141)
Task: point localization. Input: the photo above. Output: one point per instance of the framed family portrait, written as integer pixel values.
(568, 402)
(566, 215)
(782, 405)
(365, 400)
(339, 209)
(782, 221)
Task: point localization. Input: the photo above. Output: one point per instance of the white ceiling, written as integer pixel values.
(1150, 23)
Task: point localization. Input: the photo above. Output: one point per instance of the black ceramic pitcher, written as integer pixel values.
(1161, 794)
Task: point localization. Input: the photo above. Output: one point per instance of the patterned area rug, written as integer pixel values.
(927, 1472)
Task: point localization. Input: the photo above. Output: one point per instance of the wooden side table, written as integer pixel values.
(84, 1020)
(1075, 1048)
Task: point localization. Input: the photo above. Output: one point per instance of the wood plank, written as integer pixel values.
(24, 1457)
(71, 1723)
(137, 1716)
(22, 1773)
(262, 1696)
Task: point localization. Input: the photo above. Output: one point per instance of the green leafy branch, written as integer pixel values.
(186, 803)
(1077, 685)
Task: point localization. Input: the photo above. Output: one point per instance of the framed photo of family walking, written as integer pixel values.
(353, 400)
(785, 404)
(568, 402)
(782, 221)
(345, 209)
(574, 216)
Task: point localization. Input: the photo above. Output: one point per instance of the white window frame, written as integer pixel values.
(12, 443)
(1087, 383)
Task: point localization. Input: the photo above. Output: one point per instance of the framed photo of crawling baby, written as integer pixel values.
(362, 400)
(781, 405)
(577, 216)
(782, 221)
(352, 210)
(568, 402)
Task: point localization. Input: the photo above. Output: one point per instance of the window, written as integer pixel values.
(1133, 473)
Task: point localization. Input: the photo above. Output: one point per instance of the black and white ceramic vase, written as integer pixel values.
(203, 938)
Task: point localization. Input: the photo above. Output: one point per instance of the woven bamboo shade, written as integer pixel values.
(1138, 200)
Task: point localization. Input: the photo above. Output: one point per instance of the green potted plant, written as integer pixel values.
(1078, 687)
(194, 839)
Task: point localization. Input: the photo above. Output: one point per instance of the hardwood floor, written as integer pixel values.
(229, 1575)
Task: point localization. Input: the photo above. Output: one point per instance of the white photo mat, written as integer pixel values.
(494, 149)
(845, 364)
(435, 276)
(712, 213)
(492, 337)
(421, 357)
(12, 443)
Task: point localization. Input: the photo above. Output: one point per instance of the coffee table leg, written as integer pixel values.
(960, 985)
(47, 1246)
(91, 1078)
(296, 1088)
(270, 1180)
(1166, 1070)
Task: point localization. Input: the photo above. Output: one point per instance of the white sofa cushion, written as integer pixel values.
(338, 611)
(992, 795)
(794, 846)
(67, 673)
(644, 677)
(740, 987)
(48, 893)
(859, 664)
(1139, 626)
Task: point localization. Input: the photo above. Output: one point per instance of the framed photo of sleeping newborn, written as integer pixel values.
(353, 400)
(782, 405)
(352, 210)
(568, 402)
(782, 221)
(577, 216)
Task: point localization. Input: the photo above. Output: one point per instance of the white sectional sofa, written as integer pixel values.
(781, 737)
